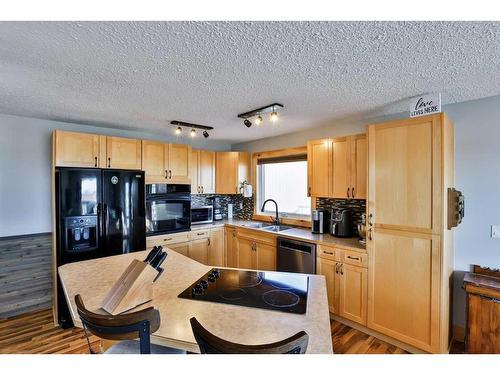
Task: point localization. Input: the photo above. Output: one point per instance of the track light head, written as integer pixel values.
(258, 120)
(205, 134)
(178, 130)
(274, 116)
(193, 133)
(247, 123)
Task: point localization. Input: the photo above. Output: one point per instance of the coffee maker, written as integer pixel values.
(320, 221)
(341, 223)
(217, 209)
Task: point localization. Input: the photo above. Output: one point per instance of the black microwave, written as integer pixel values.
(168, 208)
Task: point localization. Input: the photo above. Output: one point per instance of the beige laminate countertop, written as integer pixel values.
(350, 243)
(246, 325)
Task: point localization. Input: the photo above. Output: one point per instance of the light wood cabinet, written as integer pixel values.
(181, 248)
(352, 289)
(231, 169)
(230, 247)
(337, 168)
(216, 247)
(327, 268)
(408, 243)
(319, 167)
(247, 257)
(198, 250)
(123, 153)
(166, 162)
(76, 149)
(266, 257)
(256, 250)
(202, 172)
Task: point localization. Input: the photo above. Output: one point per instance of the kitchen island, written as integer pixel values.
(245, 325)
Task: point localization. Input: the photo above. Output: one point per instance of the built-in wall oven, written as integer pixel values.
(168, 208)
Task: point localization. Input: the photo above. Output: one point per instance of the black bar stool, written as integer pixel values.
(126, 328)
(211, 344)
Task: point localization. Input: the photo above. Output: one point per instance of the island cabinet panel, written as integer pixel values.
(319, 167)
(352, 289)
(231, 169)
(153, 161)
(179, 163)
(230, 247)
(408, 243)
(341, 181)
(76, 149)
(123, 153)
(198, 250)
(216, 247)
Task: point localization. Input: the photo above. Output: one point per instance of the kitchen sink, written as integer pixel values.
(276, 228)
(255, 225)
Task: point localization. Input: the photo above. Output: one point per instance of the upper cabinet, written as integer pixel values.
(123, 153)
(202, 172)
(75, 149)
(168, 163)
(337, 167)
(231, 169)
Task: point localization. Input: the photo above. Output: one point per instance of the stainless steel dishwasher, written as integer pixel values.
(296, 256)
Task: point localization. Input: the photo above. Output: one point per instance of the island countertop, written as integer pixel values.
(245, 325)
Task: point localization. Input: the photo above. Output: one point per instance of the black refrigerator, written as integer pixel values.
(99, 212)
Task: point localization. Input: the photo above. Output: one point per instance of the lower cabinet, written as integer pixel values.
(230, 247)
(247, 256)
(198, 250)
(216, 247)
(181, 248)
(347, 286)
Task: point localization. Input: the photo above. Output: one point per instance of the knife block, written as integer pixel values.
(134, 287)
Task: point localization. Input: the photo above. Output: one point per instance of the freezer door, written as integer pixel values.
(124, 224)
(78, 191)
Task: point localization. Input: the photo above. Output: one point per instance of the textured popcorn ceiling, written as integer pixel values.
(141, 75)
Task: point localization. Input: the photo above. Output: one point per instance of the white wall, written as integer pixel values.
(25, 157)
(477, 175)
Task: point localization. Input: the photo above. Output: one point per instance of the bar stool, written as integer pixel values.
(126, 328)
(211, 344)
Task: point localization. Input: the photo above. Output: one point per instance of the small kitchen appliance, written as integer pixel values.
(217, 209)
(320, 221)
(341, 223)
(276, 291)
(202, 215)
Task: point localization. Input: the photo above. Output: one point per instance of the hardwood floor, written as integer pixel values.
(35, 333)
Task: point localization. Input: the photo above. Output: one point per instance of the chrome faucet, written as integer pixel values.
(276, 219)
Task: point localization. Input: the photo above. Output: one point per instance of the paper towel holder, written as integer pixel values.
(246, 189)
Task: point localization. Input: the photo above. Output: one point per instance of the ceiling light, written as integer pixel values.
(258, 120)
(178, 130)
(205, 134)
(193, 132)
(256, 114)
(274, 116)
(247, 123)
(181, 124)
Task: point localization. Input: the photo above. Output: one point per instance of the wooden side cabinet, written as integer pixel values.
(123, 153)
(483, 311)
(202, 172)
(76, 149)
(165, 162)
(230, 247)
(231, 169)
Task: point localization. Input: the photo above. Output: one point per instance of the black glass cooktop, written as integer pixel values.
(265, 290)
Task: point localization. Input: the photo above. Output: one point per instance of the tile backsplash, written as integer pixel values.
(242, 207)
(358, 207)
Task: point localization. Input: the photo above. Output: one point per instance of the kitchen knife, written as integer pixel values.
(152, 254)
(156, 263)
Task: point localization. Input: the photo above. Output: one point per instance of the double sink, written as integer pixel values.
(267, 227)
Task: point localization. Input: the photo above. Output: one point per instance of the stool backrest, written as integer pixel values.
(139, 324)
(211, 344)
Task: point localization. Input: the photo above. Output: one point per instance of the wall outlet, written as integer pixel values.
(495, 231)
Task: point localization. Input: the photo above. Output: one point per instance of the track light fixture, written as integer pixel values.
(180, 124)
(257, 113)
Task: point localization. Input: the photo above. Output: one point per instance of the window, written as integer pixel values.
(285, 181)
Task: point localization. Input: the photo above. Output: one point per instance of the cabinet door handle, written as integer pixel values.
(95, 163)
(352, 192)
(341, 268)
(370, 222)
(348, 192)
(353, 258)
(328, 252)
(166, 174)
(109, 162)
(309, 191)
(202, 190)
(208, 241)
(336, 268)
(170, 173)
(370, 234)
(167, 239)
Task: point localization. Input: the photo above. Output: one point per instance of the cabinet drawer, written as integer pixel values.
(166, 239)
(198, 234)
(257, 236)
(354, 258)
(329, 253)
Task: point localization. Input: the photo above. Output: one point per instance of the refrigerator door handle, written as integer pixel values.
(105, 221)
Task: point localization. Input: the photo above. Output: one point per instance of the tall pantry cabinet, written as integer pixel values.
(410, 249)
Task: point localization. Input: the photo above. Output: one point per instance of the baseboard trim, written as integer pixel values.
(458, 333)
(378, 335)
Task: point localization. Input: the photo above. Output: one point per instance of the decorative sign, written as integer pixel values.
(425, 105)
